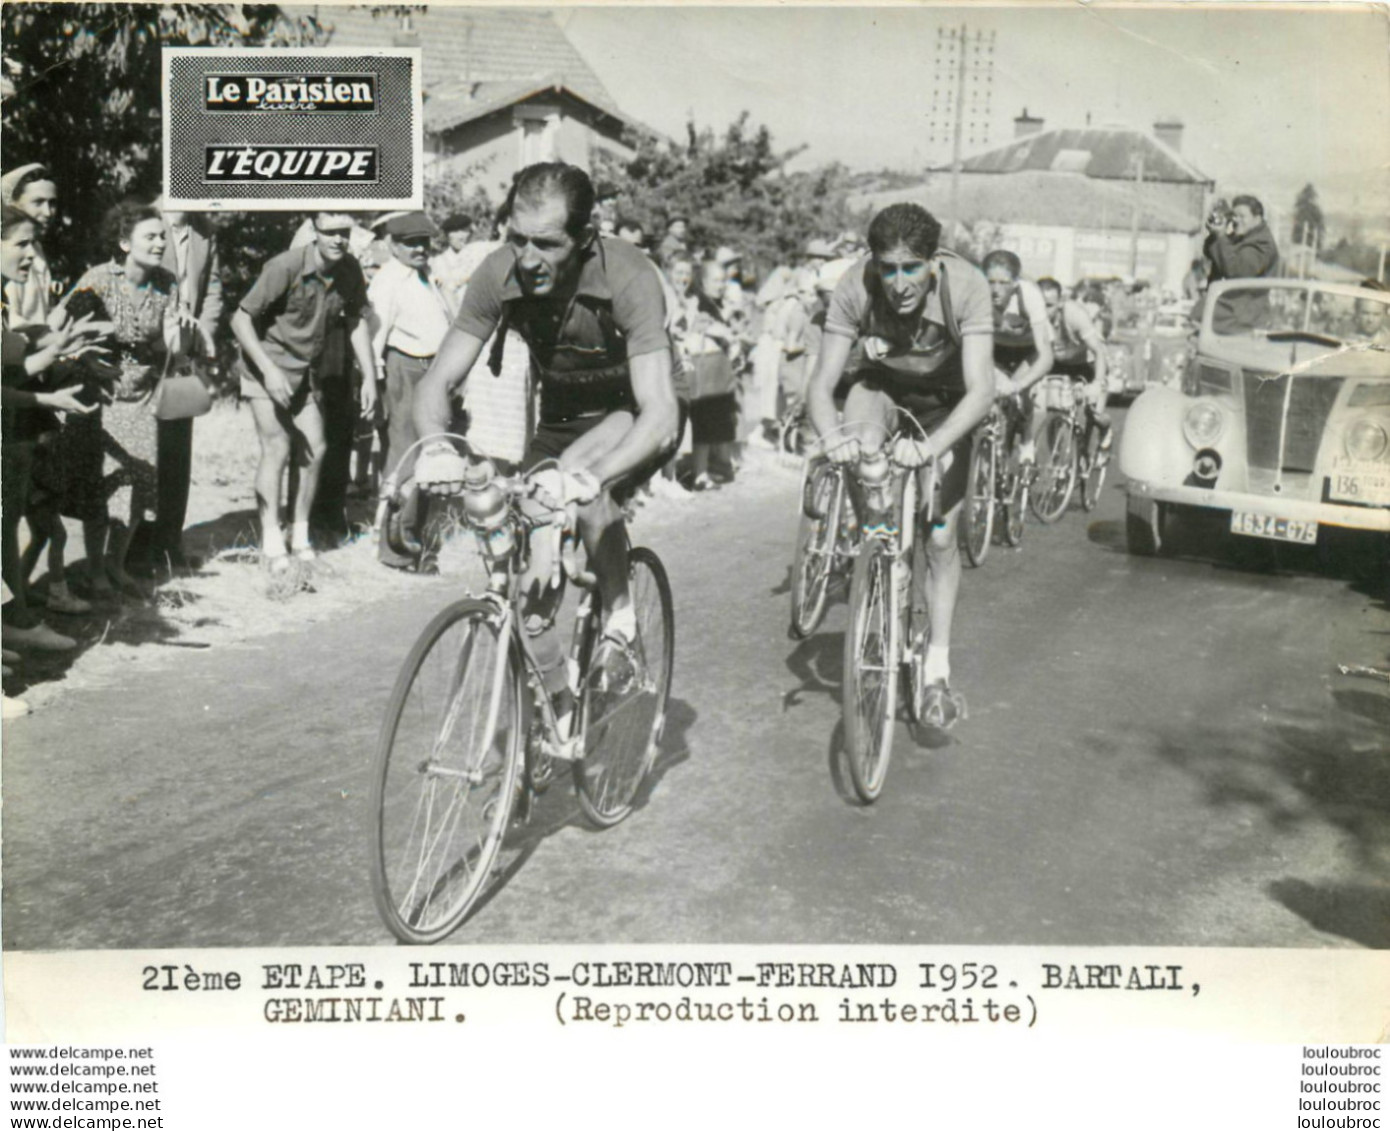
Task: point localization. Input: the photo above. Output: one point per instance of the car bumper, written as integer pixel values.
(1304, 510)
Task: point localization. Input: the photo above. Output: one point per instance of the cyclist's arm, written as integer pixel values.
(977, 364)
(820, 393)
(1082, 325)
(456, 357)
(658, 418)
(1035, 307)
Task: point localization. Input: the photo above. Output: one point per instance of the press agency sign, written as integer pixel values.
(298, 129)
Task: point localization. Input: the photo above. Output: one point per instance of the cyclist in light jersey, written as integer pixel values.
(1078, 350)
(911, 323)
(1022, 339)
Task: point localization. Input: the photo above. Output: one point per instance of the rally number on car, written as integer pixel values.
(1371, 489)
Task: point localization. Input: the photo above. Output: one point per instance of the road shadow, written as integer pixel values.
(1327, 768)
(115, 619)
(1357, 912)
(818, 663)
(557, 809)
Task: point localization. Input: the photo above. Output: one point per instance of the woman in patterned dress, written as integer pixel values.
(114, 476)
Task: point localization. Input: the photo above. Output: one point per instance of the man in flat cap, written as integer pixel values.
(411, 317)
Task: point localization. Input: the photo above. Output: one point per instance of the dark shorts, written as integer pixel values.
(552, 439)
(929, 410)
(1078, 370)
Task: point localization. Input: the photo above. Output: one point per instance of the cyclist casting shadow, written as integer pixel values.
(592, 314)
(913, 325)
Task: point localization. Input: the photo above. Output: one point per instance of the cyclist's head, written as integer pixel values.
(1002, 268)
(549, 224)
(905, 225)
(1051, 291)
(902, 239)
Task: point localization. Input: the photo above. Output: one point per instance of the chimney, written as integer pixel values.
(1024, 126)
(1169, 131)
(406, 36)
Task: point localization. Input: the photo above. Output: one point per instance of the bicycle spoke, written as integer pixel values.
(448, 767)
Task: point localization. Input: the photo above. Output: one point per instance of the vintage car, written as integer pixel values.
(1148, 347)
(1280, 428)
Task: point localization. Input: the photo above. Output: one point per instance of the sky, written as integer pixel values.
(1271, 100)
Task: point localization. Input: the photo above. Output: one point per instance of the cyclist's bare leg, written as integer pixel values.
(942, 582)
(868, 416)
(601, 525)
(1096, 397)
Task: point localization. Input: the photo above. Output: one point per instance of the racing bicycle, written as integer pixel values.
(885, 641)
(471, 727)
(1070, 451)
(998, 481)
(825, 542)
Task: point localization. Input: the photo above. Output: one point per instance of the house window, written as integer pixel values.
(538, 129)
(534, 139)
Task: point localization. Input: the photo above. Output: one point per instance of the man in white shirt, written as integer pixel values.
(410, 319)
(191, 254)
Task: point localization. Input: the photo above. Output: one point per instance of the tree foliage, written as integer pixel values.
(82, 94)
(733, 188)
(1309, 226)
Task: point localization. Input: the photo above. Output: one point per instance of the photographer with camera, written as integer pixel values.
(1239, 245)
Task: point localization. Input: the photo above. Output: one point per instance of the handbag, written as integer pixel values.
(182, 395)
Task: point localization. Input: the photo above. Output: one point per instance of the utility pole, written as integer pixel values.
(963, 79)
(1134, 220)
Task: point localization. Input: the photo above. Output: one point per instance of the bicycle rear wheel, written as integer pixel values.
(1012, 488)
(977, 520)
(871, 679)
(447, 769)
(1057, 468)
(622, 726)
(1094, 463)
(814, 558)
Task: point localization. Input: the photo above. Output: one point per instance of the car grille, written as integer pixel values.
(1309, 406)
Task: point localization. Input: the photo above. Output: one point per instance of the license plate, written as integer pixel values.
(1371, 489)
(1279, 529)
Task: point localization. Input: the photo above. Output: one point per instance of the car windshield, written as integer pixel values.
(1264, 311)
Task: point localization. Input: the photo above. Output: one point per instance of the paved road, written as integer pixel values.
(1159, 752)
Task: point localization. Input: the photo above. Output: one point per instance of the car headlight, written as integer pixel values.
(1203, 423)
(1365, 440)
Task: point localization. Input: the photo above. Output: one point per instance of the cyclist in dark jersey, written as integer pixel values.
(592, 313)
(1022, 340)
(911, 324)
(1078, 350)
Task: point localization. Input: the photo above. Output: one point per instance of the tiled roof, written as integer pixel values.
(1106, 152)
(458, 103)
(1064, 200)
(466, 44)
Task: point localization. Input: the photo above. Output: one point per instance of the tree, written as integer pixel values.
(83, 96)
(733, 189)
(1309, 226)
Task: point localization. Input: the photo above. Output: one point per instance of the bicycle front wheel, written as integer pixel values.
(1013, 492)
(622, 724)
(1095, 462)
(814, 557)
(977, 520)
(870, 697)
(448, 763)
(1057, 468)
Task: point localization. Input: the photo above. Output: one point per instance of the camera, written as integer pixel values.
(1220, 215)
